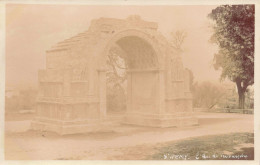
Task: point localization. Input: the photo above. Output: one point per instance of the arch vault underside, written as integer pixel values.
(72, 88)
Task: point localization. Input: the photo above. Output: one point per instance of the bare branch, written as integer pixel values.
(178, 38)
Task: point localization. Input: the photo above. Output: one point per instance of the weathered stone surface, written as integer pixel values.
(72, 97)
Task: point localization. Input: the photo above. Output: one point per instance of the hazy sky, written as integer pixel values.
(32, 29)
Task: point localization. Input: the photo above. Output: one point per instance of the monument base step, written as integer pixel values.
(70, 129)
(73, 127)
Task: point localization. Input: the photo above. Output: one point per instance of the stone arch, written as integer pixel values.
(146, 37)
(76, 67)
(153, 93)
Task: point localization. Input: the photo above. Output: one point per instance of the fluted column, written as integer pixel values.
(102, 93)
(161, 92)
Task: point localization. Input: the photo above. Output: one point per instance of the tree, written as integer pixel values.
(191, 78)
(207, 94)
(249, 98)
(116, 80)
(234, 34)
(178, 38)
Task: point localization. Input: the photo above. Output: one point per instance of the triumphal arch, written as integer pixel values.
(72, 88)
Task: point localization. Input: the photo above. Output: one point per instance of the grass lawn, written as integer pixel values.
(234, 146)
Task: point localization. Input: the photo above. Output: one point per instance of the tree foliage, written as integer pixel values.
(207, 94)
(234, 34)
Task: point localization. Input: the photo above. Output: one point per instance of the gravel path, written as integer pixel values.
(119, 142)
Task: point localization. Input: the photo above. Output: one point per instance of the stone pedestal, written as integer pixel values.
(67, 115)
(69, 127)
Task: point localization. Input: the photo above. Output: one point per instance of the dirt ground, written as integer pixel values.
(119, 142)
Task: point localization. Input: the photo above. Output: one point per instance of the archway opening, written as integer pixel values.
(126, 55)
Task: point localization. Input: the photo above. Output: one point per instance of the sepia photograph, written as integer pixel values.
(129, 82)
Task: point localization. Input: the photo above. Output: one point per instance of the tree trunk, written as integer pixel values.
(241, 95)
(241, 99)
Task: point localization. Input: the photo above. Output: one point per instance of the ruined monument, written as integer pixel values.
(72, 88)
